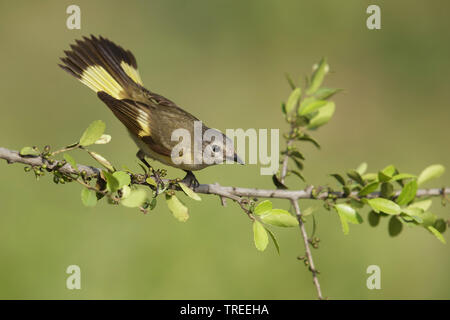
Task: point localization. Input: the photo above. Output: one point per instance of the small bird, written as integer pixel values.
(150, 118)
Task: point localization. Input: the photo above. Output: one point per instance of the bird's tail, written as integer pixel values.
(103, 66)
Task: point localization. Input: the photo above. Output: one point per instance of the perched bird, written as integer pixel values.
(150, 118)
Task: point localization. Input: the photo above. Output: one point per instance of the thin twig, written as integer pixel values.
(312, 268)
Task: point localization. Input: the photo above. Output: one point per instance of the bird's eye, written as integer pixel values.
(215, 148)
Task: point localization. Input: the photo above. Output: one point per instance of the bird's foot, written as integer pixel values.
(190, 180)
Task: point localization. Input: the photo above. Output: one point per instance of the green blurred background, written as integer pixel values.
(224, 61)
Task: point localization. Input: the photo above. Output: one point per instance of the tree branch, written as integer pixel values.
(319, 193)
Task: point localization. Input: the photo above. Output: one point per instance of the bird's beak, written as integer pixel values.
(237, 159)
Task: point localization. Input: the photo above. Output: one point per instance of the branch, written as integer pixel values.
(319, 193)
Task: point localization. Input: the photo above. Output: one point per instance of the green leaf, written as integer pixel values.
(325, 93)
(135, 199)
(290, 81)
(432, 172)
(318, 76)
(362, 168)
(122, 178)
(408, 193)
(104, 139)
(402, 176)
(274, 240)
(92, 133)
(437, 234)
(278, 183)
(424, 205)
(311, 107)
(354, 175)
(348, 213)
(112, 184)
(386, 190)
(344, 223)
(395, 226)
(88, 197)
(384, 205)
(339, 178)
(100, 159)
(414, 213)
(29, 151)
(306, 137)
(263, 207)
(440, 225)
(150, 181)
(70, 160)
(280, 218)
(178, 209)
(298, 174)
(189, 192)
(371, 187)
(293, 100)
(374, 218)
(323, 116)
(260, 236)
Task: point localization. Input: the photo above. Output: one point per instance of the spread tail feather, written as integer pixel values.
(102, 66)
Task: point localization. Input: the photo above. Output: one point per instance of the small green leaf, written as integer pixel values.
(424, 205)
(150, 181)
(178, 209)
(278, 183)
(437, 234)
(100, 159)
(440, 225)
(432, 172)
(384, 205)
(293, 100)
(122, 178)
(274, 240)
(325, 93)
(260, 236)
(344, 223)
(70, 160)
(408, 193)
(354, 175)
(88, 197)
(318, 76)
(135, 199)
(362, 168)
(280, 218)
(306, 137)
(104, 139)
(339, 178)
(29, 151)
(311, 107)
(92, 133)
(402, 176)
(386, 190)
(374, 218)
(323, 116)
(290, 81)
(263, 207)
(298, 174)
(395, 226)
(189, 192)
(348, 213)
(112, 184)
(371, 187)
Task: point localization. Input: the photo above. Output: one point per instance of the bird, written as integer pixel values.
(150, 118)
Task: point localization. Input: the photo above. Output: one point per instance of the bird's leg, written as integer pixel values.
(190, 179)
(141, 156)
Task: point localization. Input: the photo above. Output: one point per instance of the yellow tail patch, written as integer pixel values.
(98, 79)
(131, 72)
